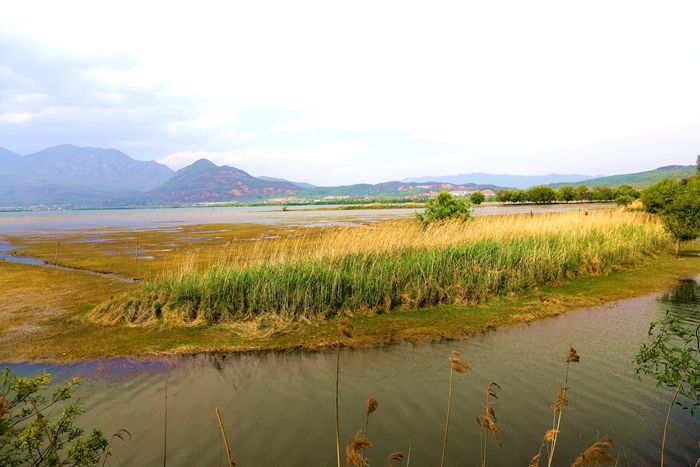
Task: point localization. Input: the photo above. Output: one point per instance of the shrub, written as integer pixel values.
(444, 207)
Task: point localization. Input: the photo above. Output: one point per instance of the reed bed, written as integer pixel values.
(397, 264)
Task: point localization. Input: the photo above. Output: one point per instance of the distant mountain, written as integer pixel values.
(511, 181)
(69, 174)
(204, 181)
(392, 190)
(640, 179)
(275, 179)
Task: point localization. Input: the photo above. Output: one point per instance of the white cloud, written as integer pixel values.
(542, 85)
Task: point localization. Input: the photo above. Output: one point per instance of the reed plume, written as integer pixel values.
(487, 421)
(372, 405)
(394, 456)
(460, 366)
(597, 455)
(560, 401)
(354, 453)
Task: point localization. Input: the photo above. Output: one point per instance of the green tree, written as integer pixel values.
(38, 427)
(518, 196)
(477, 197)
(566, 193)
(504, 195)
(624, 200)
(601, 193)
(541, 194)
(672, 358)
(658, 196)
(581, 193)
(678, 205)
(445, 206)
(626, 190)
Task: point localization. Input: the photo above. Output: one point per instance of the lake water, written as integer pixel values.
(278, 407)
(40, 221)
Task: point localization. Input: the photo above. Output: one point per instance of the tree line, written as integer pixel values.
(624, 194)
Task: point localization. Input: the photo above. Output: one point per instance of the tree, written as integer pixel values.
(678, 204)
(658, 196)
(566, 193)
(477, 197)
(582, 193)
(39, 428)
(624, 200)
(504, 195)
(601, 193)
(626, 190)
(445, 206)
(671, 357)
(541, 194)
(518, 196)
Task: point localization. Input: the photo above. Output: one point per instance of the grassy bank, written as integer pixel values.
(393, 265)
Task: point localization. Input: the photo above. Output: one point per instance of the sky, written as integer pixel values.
(345, 92)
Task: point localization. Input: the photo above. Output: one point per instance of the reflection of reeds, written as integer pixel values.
(394, 264)
(460, 366)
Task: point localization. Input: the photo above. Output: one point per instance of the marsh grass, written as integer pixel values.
(396, 264)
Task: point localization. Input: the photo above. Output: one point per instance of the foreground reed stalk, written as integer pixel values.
(229, 456)
(459, 366)
(345, 328)
(560, 402)
(487, 421)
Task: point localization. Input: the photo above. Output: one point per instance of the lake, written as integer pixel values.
(278, 407)
(61, 220)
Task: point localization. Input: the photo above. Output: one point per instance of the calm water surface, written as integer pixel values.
(278, 408)
(39, 221)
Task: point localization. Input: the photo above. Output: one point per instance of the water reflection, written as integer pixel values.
(279, 406)
(683, 301)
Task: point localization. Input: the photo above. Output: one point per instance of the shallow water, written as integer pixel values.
(46, 221)
(278, 407)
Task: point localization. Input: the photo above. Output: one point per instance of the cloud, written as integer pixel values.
(499, 86)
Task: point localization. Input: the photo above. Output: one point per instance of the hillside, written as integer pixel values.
(513, 181)
(68, 174)
(204, 181)
(391, 190)
(640, 179)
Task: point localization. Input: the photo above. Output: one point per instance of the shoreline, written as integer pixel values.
(75, 341)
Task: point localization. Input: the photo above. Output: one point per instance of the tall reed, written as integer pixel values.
(345, 328)
(460, 366)
(384, 267)
(487, 421)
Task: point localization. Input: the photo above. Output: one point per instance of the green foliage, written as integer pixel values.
(624, 200)
(566, 193)
(657, 197)
(503, 196)
(444, 207)
(477, 197)
(541, 194)
(678, 204)
(672, 357)
(38, 427)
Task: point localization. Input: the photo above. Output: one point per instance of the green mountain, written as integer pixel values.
(639, 179)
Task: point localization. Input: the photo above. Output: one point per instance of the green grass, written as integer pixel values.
(377, 282)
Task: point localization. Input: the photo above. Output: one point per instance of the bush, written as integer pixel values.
(624, 200)
(39, 428)
(477, 197)
(445, 206)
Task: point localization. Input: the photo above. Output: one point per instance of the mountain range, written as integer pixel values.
(511, 181)
(72, 176)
